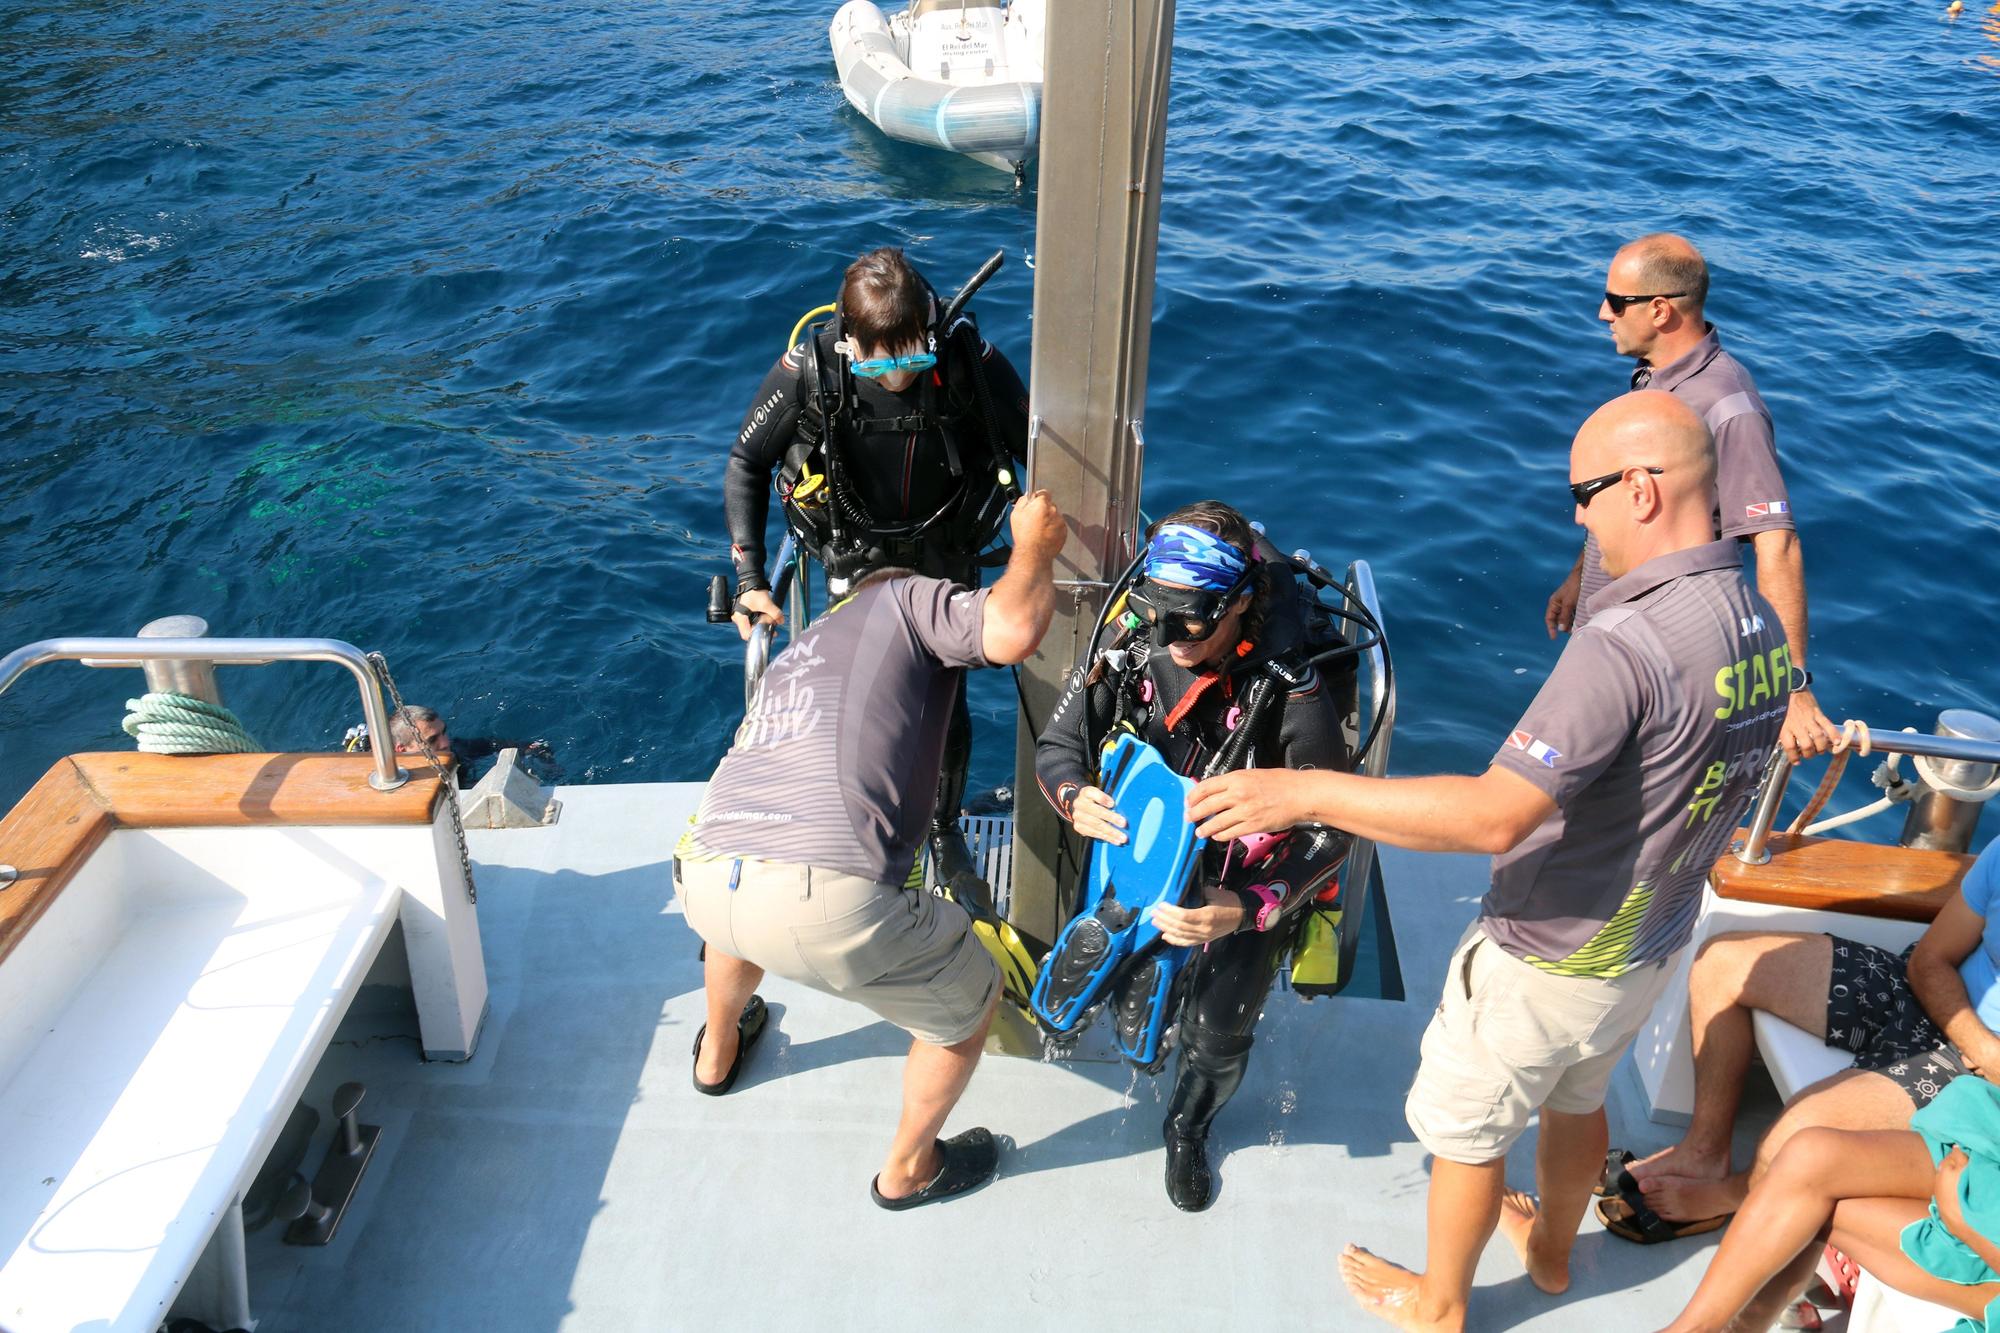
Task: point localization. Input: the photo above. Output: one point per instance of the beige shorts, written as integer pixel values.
(1509, 1039)
(909, 956)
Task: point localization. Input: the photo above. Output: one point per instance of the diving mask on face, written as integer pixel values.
(1175, 615)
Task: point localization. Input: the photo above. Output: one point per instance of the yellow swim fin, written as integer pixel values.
(1017, 968)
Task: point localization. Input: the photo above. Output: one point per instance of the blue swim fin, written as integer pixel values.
(1143, 1005)
(1154, 864)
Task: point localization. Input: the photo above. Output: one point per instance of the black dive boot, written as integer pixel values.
(1211, 1070)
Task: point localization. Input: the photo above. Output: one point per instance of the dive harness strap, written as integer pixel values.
(824, 525)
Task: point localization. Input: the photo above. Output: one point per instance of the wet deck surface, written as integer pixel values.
(567, 1176)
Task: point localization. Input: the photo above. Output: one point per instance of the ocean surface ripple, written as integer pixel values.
(428, 327)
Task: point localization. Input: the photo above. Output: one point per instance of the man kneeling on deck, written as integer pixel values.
(801, 857)
(1604, 809)
(1913, 1022)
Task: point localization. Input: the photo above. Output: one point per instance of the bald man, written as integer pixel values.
(1653, 299)
(1604, 807)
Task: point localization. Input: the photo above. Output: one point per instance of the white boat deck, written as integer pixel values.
(568, 1176)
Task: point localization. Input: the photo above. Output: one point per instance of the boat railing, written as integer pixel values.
(387, 776)
(1361, 595)
(1754, 849)
(789, 588)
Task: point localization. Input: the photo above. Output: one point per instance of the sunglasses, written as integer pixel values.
(876, 367)
(1585, 490)
(1618, 303)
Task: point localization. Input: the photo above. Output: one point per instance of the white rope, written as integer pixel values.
(1927, 770)
(1851, 817)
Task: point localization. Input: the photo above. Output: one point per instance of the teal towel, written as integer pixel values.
(1965, 1115)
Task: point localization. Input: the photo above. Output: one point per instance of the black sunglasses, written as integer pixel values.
(1618, 303)
(1585, 490)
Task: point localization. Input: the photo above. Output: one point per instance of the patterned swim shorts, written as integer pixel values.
(1872, 1012)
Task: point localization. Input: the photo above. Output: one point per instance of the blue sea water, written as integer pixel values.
(428, 326)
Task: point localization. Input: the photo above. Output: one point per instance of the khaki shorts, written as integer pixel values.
(1509, 1039)
(909, 956)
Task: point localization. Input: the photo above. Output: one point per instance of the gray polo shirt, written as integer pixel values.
(1750, 494)
(836, 765)
(1649, 735)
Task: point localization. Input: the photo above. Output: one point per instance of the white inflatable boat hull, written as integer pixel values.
(959, 74)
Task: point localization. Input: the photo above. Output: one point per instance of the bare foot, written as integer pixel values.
(1681, 1199)
(1681, 1160)
(1390, 1292)
(1518, 1212)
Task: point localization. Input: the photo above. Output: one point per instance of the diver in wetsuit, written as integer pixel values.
(415, 726)
(892, 441)
(1219, 608)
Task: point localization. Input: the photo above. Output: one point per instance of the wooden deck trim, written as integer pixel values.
(1835, 875)
(52, 830)
(48, 834)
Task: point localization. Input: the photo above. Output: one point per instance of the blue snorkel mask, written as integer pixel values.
(1207, 574)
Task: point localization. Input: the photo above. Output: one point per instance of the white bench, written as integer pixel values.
(162, 1017)
(1878, 895)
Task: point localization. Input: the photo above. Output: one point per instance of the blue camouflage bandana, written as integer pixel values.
(1194, 557)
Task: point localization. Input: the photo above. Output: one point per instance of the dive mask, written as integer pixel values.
(875, 367)
(1174, 615)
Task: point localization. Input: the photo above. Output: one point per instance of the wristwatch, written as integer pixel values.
(1270, 898)
(1801, 679)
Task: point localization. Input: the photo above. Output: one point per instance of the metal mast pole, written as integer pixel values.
(1104, 135)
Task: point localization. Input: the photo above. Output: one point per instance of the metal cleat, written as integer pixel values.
(316, 1210)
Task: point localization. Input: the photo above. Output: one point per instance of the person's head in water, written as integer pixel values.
(885, 312)
(1642, 473)
(1653, 297)
(1205, 590)
(414, 721)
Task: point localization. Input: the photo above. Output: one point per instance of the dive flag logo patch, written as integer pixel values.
(1766, 509)
(1540, 750)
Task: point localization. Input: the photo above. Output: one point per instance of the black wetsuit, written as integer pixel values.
(900, 477)
(1228, 980)
(536, 757)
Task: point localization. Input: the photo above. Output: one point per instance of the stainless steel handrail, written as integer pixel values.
(1361, 582)
(1382, 689)
(757, 650)
(234, 652)
(1752, 851)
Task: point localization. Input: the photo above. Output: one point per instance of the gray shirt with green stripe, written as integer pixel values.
(836, 765)
(1649, 736)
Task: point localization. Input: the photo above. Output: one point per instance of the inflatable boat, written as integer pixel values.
(959, 74)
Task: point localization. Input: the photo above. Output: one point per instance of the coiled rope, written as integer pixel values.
(169, 723)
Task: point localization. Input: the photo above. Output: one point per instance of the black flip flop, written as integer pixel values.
(970, 1160)
(748, 1029)
(1616, 1180)
(1628, 1218)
